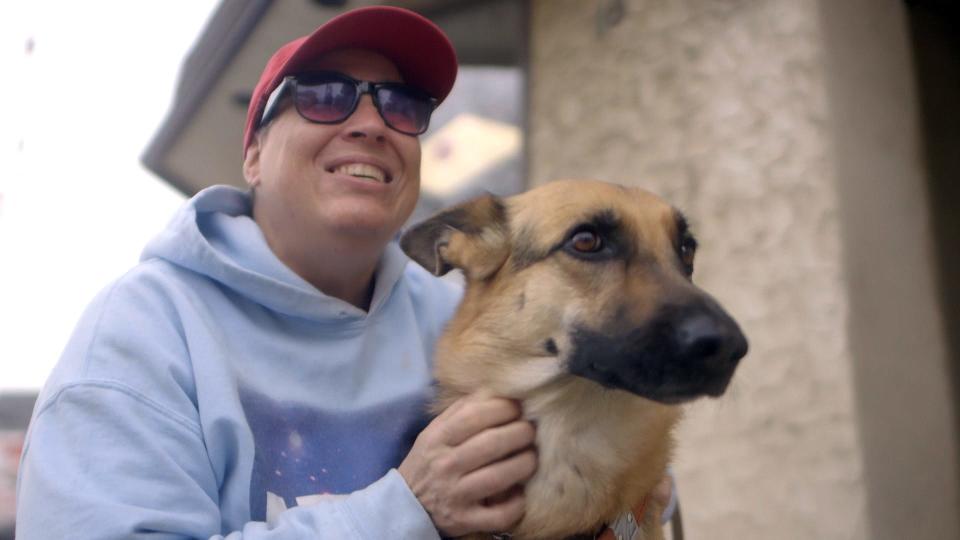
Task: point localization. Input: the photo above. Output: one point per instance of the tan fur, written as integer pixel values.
(600, 450)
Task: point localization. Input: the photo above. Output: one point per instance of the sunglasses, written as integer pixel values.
(330, 98)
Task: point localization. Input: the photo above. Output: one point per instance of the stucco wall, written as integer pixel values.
(721, 107)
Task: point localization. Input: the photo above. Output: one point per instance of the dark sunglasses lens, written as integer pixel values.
(327, 101)
(405, 110)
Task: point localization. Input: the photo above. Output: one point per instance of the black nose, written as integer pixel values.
(710, 338)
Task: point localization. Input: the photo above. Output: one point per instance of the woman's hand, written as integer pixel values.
(468, 466)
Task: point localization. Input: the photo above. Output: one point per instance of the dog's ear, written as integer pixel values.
(471, 236)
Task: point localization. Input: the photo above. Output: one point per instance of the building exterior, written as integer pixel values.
(809, 141)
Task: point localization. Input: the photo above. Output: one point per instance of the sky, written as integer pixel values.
(85, 87)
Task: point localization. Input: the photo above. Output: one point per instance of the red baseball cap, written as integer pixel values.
(420, 50)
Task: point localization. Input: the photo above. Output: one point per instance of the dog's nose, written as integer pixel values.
(699, 336)
(711, 338)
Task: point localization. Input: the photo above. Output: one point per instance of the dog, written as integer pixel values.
(579, 303)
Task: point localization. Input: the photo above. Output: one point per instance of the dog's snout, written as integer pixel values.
(685, 350)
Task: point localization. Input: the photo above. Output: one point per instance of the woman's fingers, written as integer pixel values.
(500, 476)
(500, 515)
(494, 444)
(473, 414)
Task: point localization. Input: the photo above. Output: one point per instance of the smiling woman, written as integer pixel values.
(311, 182)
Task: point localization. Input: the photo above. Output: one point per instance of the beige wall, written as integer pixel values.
(728, 109)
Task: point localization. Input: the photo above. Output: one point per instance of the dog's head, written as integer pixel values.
(581, 278)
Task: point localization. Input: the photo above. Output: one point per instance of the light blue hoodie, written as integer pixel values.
(212, 392)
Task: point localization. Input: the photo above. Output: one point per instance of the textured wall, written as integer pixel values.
(720, 106)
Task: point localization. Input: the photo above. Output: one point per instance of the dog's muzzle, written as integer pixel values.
(685, 351)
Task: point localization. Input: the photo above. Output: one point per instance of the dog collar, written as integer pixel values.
(627, 524)
(625, 527)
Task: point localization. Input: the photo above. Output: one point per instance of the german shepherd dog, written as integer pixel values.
(579, 303)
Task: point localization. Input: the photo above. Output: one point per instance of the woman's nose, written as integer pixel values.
(366, 121)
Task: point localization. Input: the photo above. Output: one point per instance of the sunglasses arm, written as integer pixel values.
(273, 101)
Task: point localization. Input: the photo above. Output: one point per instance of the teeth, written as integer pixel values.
(362, 170)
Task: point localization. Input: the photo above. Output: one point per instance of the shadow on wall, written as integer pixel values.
(936, 54)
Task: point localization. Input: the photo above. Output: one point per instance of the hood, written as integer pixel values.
(214, 235)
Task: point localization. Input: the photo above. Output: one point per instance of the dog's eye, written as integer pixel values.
(688, 249)
(586, 241)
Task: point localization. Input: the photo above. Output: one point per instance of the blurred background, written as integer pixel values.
(814, 145)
